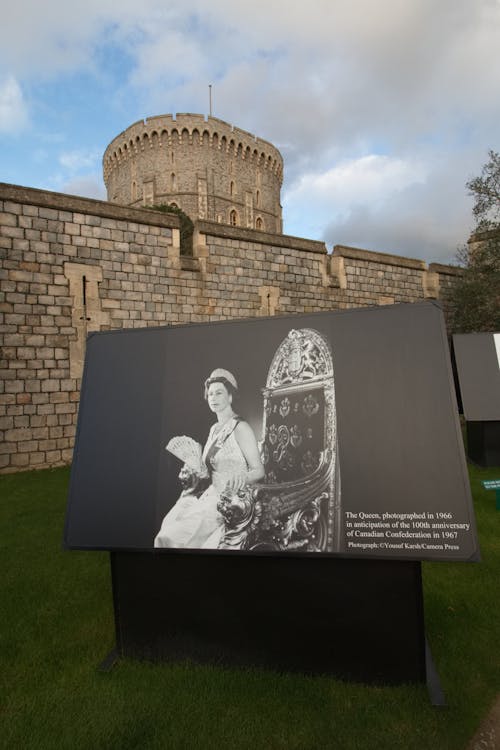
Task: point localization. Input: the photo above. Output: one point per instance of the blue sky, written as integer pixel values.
(382, 109)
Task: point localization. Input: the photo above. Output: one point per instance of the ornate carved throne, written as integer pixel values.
(297, 507)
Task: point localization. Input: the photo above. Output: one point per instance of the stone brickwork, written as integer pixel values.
(206, 167)
(72, 265)
(69, 266)
(380, 279)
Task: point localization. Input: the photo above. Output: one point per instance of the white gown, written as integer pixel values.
(195, 522)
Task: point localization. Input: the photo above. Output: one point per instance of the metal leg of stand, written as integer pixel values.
(434, 688)
(109, 662)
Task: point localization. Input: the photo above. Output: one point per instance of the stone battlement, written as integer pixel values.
(165, 131)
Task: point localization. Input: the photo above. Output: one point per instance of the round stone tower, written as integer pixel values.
(206, 167)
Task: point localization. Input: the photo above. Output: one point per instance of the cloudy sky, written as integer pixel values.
(382, 109)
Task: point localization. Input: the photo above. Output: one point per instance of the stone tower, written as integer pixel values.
(206, 167)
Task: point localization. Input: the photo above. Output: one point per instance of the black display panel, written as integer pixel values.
(355, 619)
(477, 357)
(353, 414)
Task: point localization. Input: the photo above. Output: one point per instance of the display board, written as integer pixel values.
(477, 357)
(359, 620)
(353, 415)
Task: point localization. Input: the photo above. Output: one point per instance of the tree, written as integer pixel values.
(186, 228)
(485, 190)
(475, 298)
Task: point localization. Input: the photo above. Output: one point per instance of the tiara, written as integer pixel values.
(221, 373)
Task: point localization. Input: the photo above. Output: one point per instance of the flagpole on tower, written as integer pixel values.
(210, 99)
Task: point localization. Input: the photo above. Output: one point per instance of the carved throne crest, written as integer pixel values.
(297, 507)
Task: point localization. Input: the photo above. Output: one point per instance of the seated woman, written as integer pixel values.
(232, 461)
(182, 520)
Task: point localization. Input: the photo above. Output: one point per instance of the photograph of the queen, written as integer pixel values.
(277, 490)
(229, 463)
(268, 436)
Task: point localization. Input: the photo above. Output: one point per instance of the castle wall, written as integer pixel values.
(70, 266)
(205, 166)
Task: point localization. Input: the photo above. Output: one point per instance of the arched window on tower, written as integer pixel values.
(173, 182)
(258, 223)
(233, 218)
(257, 198)
(133, 190)
(231, 189)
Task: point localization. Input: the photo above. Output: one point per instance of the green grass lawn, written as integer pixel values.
(57, 625)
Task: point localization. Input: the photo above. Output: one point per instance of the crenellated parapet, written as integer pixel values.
(167, 131)
(207, 167)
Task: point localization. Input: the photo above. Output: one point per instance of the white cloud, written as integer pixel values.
(371, 180)
(426, 220)
(13, 108)
(53, 36)
(413, 85)
(78, 160)
(79, 174)
(90, 186)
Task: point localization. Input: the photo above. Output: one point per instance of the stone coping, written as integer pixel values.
(357, 253)
(64, 202)
(445, 269)
(481, 235)
(215, 229)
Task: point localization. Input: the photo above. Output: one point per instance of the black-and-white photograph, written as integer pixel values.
(279, 493)
(323, 434)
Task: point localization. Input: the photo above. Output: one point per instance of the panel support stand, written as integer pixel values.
(358, 620)
(109, 661)
(436, 694)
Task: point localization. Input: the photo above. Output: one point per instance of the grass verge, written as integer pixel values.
(57, 625)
